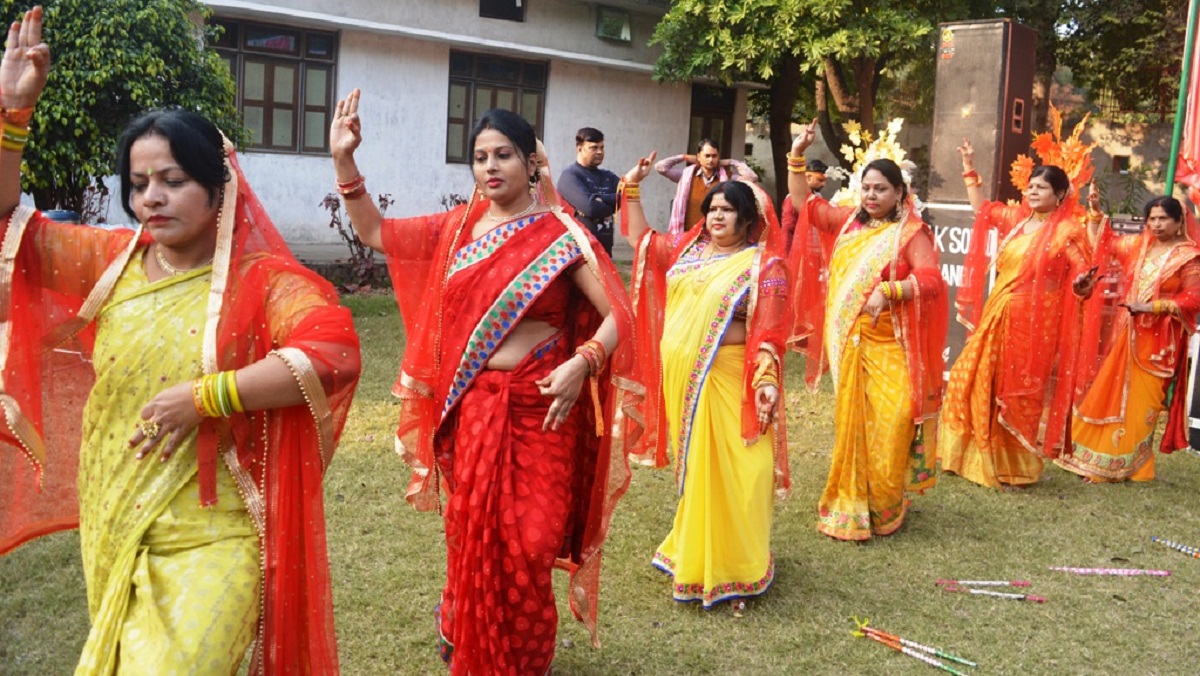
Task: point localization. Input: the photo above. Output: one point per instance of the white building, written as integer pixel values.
(427, 69)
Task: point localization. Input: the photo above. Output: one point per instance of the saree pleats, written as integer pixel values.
(976, 439)
(1121, 449)
(510, 486)
(719, 546)
(874, 454)
(143, 533)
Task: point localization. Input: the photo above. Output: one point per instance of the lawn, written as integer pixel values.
(388, 567)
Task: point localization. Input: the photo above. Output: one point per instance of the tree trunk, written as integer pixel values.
(784, 90)
(864, 80)
(829, 134)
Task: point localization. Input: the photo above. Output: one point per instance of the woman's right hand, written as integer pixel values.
(968, 155)
(345, 133)
(805, 138)
(26, 62)
(875, 305)
(642, 169)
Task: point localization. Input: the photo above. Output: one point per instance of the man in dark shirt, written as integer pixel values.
(592, 191)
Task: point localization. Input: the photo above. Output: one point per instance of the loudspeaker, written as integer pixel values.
(983, 92)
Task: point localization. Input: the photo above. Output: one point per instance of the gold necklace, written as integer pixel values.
(495, 218)
(171, 270)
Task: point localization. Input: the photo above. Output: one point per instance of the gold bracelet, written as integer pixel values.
(795, 160)
(17, 116)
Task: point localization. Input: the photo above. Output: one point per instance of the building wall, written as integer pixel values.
(403, 70)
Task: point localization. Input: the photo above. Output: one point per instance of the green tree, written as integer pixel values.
(112, 60)
(1128, 50)
(840, 50)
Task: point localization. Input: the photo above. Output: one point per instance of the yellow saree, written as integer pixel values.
(719, 546)
(974, 442)
(149, 549)
(879, 453)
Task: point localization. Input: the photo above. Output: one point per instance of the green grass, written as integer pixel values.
(388, 568)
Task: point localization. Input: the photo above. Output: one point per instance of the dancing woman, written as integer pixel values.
(877, 316)
(1010, 391)
(712, 316)
(220, 375)
(1132, 358)
(509, 305)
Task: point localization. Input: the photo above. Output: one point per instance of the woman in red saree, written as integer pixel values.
(215, 379)
(1132, 358)
(873, 310)
(1010, 391)
(509, 305)
(712, 317)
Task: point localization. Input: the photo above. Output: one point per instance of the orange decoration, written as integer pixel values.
(1071, 154)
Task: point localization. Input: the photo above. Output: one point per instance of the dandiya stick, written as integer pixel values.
(1002, 595)
(1186, 549)
(917, 646)
(914, 654)
(983, 583)
(1124, 572)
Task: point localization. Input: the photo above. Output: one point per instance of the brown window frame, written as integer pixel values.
(234, 47)
(531, 78)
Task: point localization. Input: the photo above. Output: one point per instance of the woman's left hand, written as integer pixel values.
(563, 386)
(766, 397)
(167, 419)
(1137, 308)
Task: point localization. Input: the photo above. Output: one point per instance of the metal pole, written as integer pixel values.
(1189, 44)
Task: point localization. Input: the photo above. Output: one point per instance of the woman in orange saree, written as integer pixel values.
(876, 315)
(1133, 364)
(509, 305)
(215, 379)
(1009, 394)
(712, 317)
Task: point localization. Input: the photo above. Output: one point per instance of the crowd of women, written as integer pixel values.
(531, 374)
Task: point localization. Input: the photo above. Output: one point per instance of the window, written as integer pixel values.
(511, 10)
(1120, 164)
(284, 83)
(613, 24)
(479, 83)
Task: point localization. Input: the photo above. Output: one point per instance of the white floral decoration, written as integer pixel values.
(863, 150)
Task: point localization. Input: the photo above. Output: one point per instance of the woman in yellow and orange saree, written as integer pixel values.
(1133, 363)
(711, 321)
(876, 315)
(509, 305)
(215, 379)
(1009, 396)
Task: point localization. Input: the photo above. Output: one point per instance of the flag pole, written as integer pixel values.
(1181, 105)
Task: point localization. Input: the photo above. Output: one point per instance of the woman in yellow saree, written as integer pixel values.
(877, 311)
(1133, 364)
(216, 379)
(711, 317)
(1009, 394)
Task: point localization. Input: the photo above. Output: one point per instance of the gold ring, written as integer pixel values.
(149, 428)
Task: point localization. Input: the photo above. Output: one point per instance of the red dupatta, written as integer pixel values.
(1045, 305)
(445, 323)
(768, 323)
(278, 457)
(1121, 261)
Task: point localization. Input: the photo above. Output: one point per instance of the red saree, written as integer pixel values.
(481, 429)
(261, 301)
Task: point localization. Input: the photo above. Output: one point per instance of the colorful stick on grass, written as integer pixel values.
(1123, 572)
(1179, 547)
(910, 648)
(982, 583)
(1000, 595)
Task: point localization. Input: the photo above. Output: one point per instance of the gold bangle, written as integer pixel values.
(234, 398)
(795, 160)
(798, 169)
(17, 116)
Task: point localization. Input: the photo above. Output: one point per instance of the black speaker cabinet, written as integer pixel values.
(984, 92)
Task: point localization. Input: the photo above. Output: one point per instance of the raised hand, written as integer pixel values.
(968, 155)
(805, 138)
(26, 62)
(345, 133)
(642, 169)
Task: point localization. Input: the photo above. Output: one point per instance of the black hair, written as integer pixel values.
(588, 135)
(708, 142)
(513, 126)
(739, 196)
(1059, 182)
(892, 173)
(817, 166)
(196, 145)
(1170, 205)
